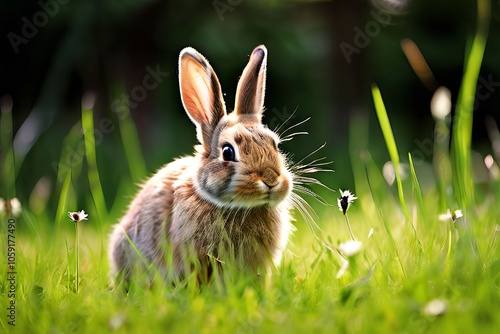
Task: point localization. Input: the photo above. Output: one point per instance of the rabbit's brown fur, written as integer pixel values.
(230, 201)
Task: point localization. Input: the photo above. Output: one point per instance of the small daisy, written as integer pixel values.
(451, 215)
(456, 214)
(345, 200)
(78, 216)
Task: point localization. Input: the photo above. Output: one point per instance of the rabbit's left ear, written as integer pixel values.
(252, 85)
(200, 93)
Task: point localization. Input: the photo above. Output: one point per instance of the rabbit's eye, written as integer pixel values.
(228, 153)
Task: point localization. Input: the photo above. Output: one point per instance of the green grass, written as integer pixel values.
(386, 287)
(462, 131)
(304, 296)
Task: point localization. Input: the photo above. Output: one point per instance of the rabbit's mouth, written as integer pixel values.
(247, 191)
(258, 193)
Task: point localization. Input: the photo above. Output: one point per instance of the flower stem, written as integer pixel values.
(448, 252)
(77, 256)
(349, 227)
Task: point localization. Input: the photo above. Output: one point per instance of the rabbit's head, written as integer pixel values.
(241, 163)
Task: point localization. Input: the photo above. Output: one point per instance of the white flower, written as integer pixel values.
(451, 215)
(15, 207)
(77, 216)
(2, 206)
(345, 200)
(350, 248)
(436, 307)
(456, 214)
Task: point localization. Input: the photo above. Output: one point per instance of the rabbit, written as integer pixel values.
(230, 201)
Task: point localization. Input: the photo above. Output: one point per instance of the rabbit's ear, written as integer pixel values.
(252, 84)
(201, 93)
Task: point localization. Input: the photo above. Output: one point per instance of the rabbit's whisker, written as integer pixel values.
(293, 126)
(292, 135)
(277, 129)
(299, 163)
(306, 211)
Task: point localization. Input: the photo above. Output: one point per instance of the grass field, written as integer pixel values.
(419, 269)
(414, 272)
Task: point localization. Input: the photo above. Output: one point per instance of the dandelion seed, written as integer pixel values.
(345, 200)
(350, 248)
(436, 307)
(78, 216)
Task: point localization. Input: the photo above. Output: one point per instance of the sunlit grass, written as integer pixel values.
(131, 144)
(462, 130)
(90, 155)
(392, 148)
(389, 285)
(304, 295)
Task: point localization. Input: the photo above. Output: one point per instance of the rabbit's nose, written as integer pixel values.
(270, 177)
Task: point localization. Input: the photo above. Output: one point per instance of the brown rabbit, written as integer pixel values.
(230, 201)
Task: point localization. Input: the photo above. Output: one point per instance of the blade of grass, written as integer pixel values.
(442, 163)
(380, 213)
(90, 154)
(390, 142)
(132, 146)
(358, 141)
(392, 148)
(71, 159)
(69, 166)
(63, 199)
(462, 130)
(417, 189)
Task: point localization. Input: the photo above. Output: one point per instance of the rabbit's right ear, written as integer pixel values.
(201, 94)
